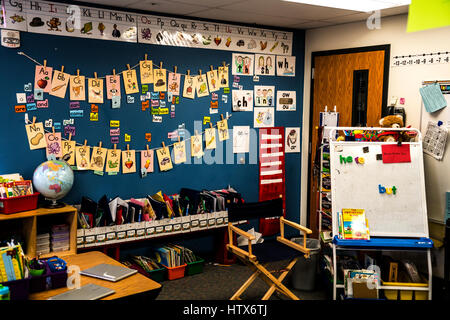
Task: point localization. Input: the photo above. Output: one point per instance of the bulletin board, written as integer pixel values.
(436, 181)
(357, 186)
(91, 55)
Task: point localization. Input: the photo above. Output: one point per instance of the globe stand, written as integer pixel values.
(53, 204)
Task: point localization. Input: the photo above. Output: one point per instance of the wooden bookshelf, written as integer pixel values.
(30, 221)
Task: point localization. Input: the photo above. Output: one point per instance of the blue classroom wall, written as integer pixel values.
(102, 56)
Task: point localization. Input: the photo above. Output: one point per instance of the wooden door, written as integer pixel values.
(332, 85)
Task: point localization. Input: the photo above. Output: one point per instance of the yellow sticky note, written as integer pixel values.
(425, 14)
(127, 138)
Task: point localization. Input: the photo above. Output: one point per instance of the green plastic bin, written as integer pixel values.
(195, 267)
(158, 275)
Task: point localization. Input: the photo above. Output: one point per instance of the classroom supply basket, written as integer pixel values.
(19, 204)
(18, 289)
(175, 272)
(158, 275)
(195, 267)
(48, 280)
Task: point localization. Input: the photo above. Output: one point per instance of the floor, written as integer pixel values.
(218, 282)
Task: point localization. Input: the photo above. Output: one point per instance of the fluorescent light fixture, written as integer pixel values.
(355, 5)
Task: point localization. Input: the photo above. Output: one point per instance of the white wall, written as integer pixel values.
(403, 81)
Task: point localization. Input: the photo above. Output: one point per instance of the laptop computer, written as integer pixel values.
(108, 272)
(88, 292)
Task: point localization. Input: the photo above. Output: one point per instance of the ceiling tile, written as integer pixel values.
(165, 7)
(311, 24)
(349, 18)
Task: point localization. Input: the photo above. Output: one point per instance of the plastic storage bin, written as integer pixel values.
(175, 272)
(18, 289)
(405, 294)
(195, 267)
(158, 275)
(304, 271)
(19, 204)
(49, 280)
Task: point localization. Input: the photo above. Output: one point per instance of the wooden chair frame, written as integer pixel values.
(261, 271)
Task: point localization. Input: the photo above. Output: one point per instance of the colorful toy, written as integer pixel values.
(56, 264)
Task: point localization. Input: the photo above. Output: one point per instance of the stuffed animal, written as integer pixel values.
(394, 121)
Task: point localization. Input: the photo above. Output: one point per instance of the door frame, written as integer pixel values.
(387, 55)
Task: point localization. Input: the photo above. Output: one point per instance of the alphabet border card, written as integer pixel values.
(286, 66)
(43, 78)
(264, 117)
(82, 157)
(60, 82)
(98, 157)
(223, 74)
(179, 152)
(128, 161)
(286, 100)
(222, 128)
(77, 88)
(159, 80)
(146, 71)
(112, 86)
(164, 159)
(197, 146)
(53, 141)
(95, 90)
(210, 138)
(147, 160)
(113, 160)
(36, 136)
(173, 83)
(242, 100)
(265, 64)
(213, 80)
(68, 152)
(202, 85)
(264, 96)
(292, 136)
(242, 64)
(130, 82)
(189, 87)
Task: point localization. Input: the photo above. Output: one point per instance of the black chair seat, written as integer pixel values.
(273, 250)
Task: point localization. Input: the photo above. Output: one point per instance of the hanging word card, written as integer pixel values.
(286, 100)
(35, 134)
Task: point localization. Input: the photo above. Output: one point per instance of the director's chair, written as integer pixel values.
(271, 250)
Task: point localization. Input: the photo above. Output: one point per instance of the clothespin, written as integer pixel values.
(224, 64)
(210, 125)
(145, 57)
(199, 72)
(115, 145)
(78, 73)
(95, 75)
(196, 132)
(164, 146)
(85, 143)
(178, 139)
(45, 64)
(100, 144)
(62, 69)
(160, 65)
(70, 136)
(221, 116)
(175, 69)
(114, 72)
(128, 66)
(189, 72)
(34, 120)
(128, 147)
(147, 148)
(53, 130)
(211, 68)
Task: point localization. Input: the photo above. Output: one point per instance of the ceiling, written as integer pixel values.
(275, 13)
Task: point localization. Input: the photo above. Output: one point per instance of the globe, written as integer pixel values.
(53, 179)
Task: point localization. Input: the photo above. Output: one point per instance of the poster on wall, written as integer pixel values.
(285, 66)
(264, 65)
(189, 87)
(242, 100)
(264, 96)
(241, 139)
(264, 117)
(286, 100)
(292, 143)
(242, 64)
(223, 77)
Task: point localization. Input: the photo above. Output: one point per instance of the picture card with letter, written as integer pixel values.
(242, 100)
(223, 77)
(213, 80)
(68, 152)
(264, 96)
(112, 86)
(241, 139)
(128, 161)
(202, 85)
(36, 135)
(197, 146)
(179, 152)
(98, 157)
(189, 87)
(286, 100)
(159, 80)
(146, 71)
(60, 82)
(43, 78)
(113, 160)
(174, 83)
(147, 160)
(164, 160)
(292, 143)
(264, 117)
(242, 64)
(95, 90)
(53, 141)
(130, 81)
(210, 138)
(222, 128)
(77, 88)
(83, 157)
(264, 65)
(286, 66)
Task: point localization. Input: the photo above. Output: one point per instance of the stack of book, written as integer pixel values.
(42, 243)
(16, 188)
(361, 284)
(12, 263)
(60, 238)
(173, 255)
(353, 225)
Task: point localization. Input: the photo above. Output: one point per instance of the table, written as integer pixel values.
(136, 284)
